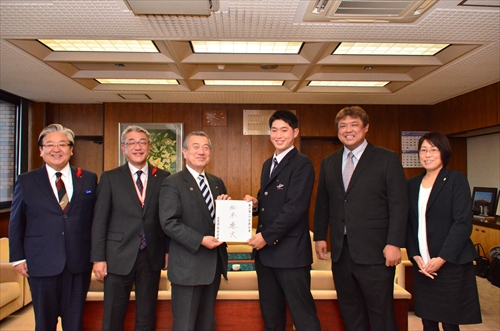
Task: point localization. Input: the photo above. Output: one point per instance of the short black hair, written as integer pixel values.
(441, 142)
(286, 116)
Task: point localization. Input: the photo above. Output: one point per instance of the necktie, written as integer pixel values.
(348, 170)
(61, 192)
(275, 165)
(206, 195)
(140, 187)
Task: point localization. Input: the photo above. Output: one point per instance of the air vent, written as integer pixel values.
(173, 7)
(366, 11)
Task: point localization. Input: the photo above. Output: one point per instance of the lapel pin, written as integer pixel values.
(190, 188)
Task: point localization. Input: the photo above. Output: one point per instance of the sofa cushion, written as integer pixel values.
(9, 291)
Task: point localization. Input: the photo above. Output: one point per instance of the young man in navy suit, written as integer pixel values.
(128, 246)
(282, 244)
(362, 197)
(49, 231)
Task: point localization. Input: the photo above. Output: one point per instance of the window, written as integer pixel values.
(12, 162)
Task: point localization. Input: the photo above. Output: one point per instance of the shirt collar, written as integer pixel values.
(282, 155)
(66, 171)
(194, 173)
(133, 169)
(357, 152)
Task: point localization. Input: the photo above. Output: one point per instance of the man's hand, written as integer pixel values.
(211, 242)
(321, 248)
(255, 202)
(257, 241)
(165, 267)
(223, 197)
(22, 269)
(100, 270)
(392, 255)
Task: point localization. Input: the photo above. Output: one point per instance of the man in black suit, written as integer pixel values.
(362, 196)
(197, 258)
(49, 231)
(128, 246)
(282, 244)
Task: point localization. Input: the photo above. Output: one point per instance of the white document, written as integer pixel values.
(233, 220)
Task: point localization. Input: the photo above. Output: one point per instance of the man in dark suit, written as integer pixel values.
(282, 244)
(362, 196)
(197, 258)
(49, 231)
(128, 246)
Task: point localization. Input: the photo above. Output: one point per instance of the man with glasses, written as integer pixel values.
(49, 231)
(128, 244)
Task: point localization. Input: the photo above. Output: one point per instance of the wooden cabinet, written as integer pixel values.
(486, 236)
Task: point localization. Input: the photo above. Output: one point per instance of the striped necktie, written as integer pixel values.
(206, 195)
(61, 192)
(275, 165)
(140, 187)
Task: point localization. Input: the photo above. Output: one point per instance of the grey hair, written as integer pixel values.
(195, 133)
(134, 128)
(52, 128)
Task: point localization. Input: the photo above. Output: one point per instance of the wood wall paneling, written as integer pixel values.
(115, 113)
(478, 110)
(36, 123)
(83, 119)
(318, 120)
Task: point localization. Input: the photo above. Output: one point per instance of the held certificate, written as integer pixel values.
(233, 220)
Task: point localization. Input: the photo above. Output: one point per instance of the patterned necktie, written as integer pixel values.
(61, 192)
(275, 165)
(140, 187)
(206, 196)
(348, 170)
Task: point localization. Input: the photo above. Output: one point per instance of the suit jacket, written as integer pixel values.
(448, 218)
(185, 218)
(374, 209)
(44, 235)
(284, 211)
(120, 220)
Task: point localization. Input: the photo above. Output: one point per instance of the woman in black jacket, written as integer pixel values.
(438, 240)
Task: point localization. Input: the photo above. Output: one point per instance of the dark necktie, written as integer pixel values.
(61, 192)
(206, 196)
(140, 187)
(275, 165)
(348, 170)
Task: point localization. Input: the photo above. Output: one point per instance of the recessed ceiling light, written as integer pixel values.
(268, 66)
(138, 81)
(131, 46)
(246, 47)
(347, 83)
(220, 82)
(346, 48)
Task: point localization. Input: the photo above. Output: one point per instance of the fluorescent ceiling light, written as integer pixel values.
(246, 47)
(131, 46)
(220, 82)
(388, 49)
(139, 81)
(347, 83)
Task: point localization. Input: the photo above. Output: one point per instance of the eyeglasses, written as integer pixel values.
(52, 145)
(132, 143)
(432, 151)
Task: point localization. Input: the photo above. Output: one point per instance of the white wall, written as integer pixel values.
(483, 161)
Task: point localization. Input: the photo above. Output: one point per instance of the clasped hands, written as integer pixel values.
(430, 269)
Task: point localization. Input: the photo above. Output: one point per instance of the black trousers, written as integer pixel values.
(117, 295)
(279, 286)
(365, 293)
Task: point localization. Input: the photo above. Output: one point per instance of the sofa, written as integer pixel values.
(237, 306)
(14, 288)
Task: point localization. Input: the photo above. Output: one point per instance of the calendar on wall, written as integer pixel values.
(409, 148)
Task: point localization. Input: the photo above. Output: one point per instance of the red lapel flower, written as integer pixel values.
(79, 173)
(153, 172)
